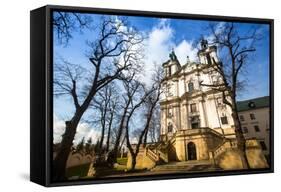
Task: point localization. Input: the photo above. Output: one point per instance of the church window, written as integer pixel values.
(170, 70)
(219, 101)
(190, 87)
(195, 122)
(170, 127)
(170, 113)
(213, 59)
(245, 130)
(208, 58)
(193, 108)
(224, 120)
(257, 129)
(242, 118)
(252, 116)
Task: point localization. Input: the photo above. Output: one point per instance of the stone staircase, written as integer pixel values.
(222, 154)
(186, 166)
(158, 153)
(225, 145)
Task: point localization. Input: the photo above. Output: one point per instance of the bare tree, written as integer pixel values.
(154, 128)
(115, 51)
(89, 146)
(131, 90)
(150, 99)
(113, 110)
(237, 49)
(102, 101)
(106, 104)
(65, 23)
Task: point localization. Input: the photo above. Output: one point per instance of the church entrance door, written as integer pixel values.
(191, 151)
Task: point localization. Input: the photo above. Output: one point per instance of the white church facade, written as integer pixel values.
(187, 105)
(196, 126)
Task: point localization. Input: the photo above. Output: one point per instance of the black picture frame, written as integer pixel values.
(41, 113)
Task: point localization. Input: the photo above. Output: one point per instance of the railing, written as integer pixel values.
(163, 156)
(173, 139)
(227, 144)
(230, 144)
(155, 152)
(149, 153)
(199, 131)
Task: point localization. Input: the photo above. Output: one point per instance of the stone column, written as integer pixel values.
(187, 123)
(205, 113)
(203, 121)
(183, 116)
(177, 118)
(163, 120)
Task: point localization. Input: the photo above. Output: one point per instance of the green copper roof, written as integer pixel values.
(255, 103)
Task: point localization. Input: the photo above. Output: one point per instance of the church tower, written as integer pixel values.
(207, 54)
(172, 66)
(186, 104)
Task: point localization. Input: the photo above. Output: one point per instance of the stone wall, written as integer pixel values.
(143, 161)
(209, 145)
(204, 140)
(77, 158)
(230, 159)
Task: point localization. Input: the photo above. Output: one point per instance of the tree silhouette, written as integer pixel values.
(116, 49)
(80, 145)
(238, 49)
(65, 23)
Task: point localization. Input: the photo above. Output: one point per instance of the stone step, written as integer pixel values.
(185, 166)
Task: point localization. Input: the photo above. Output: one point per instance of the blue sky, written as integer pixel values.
(163, 35)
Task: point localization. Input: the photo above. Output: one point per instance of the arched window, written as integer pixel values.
(208, 59)
(190, 86)
(170, 127)
(170, 112)
(169, 70)
(195, 122)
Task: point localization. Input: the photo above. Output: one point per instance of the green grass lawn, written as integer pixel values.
(122, 161)
(80, 170)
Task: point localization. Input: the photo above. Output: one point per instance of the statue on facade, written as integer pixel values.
(173, 56)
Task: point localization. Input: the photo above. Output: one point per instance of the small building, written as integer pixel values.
(254, 117)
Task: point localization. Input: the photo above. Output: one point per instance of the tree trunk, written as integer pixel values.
(241, 142)
(116, 145)
(145, 138)
(134, 162)
(118, 137)
(59, 163)
(102, 135)
(109, 131)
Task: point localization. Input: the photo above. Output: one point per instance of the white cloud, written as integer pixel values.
(159, 45)
(83, 130)
(185, 49)
(218, 29)
(58, 129)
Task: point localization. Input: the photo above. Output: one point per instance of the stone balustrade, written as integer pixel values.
(203, 130)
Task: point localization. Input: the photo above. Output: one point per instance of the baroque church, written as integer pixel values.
(193, 110)
(196, 126)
